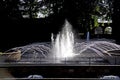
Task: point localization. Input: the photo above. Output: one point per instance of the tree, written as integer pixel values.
(39, 8)
(79, 13)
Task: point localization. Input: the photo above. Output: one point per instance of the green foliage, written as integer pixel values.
(29, 7)
(102, 24)
(40, 8)
(1, 53)
(95, 19)
(97, 8)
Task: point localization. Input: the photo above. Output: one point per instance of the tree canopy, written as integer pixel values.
(81, 13)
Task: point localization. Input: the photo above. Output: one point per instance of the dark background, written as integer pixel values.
(65, 71)
(25, 31)
(17, 31)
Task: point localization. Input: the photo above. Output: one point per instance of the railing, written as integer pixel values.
(78, 61)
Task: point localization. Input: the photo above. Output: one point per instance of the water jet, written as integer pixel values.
(63, 45)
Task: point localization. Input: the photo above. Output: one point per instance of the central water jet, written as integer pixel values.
(63, 45)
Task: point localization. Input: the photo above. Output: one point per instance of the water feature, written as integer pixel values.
(99, 47)
(88, 36)
(63, 45)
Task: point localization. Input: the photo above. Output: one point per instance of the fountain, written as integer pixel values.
(65, 48)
